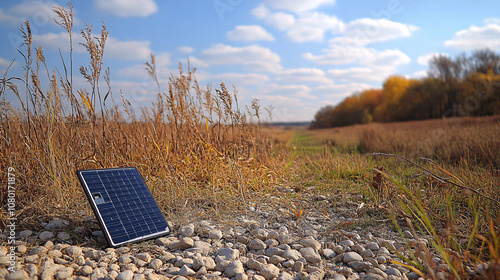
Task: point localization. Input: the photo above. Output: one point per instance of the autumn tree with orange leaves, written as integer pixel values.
(464, 86)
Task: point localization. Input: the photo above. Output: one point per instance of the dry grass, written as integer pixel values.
(452, 200)
(467, 140)
(196, 147)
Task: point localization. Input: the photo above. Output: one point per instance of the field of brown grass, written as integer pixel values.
(467, 140)
(440, 176)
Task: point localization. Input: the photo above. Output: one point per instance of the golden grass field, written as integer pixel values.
(204, 154)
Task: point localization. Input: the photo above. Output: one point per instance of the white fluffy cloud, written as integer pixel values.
(336, 92)
(253, 57)
(425, 59)
(115, 48)
(297, 6)
(419, 74)
(127, 8)
(186, 49)
(492, 21)
(364, 31)
(279, 20)
(475, 37)
(248, 33)
(9, 18)
(289, 91)
(240, 78)
(56, 41)
(360, 74)
(338, 54)
(302, 75)
(127, 50)
(312, 27)
(39, 13)
(306, 27)
(386, 58)
(373, 65)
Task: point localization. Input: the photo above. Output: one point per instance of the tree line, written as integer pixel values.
(467, 85)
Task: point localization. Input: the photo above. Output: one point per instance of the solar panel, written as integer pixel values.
(123, 204)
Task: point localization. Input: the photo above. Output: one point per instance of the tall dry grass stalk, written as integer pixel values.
(195, 146)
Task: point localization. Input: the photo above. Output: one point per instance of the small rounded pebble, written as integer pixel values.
(45, 235)
(269, 271)
(64, 273)
(187, 230)
(18, 275)
(215, 234)
(256, 245)
(73, 251)
(86, 270)
(126, 275)
(352, 256)
(25, 233)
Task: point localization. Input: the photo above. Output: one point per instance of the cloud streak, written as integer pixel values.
(127, 8)
(249, 33)
(487, 36)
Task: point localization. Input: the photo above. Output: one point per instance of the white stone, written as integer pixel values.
(352, 256)
(360, 266)
(373, 246)
(126, 275)
(234, 268)
(18, 275)
(186, 243)
(125, 259)
(310, 254)
(309, 242)
(86, 270)
(187, 230)
(273, 234)
(257, 245)
(228, 254)
(206, 262)
(186, 271)
(215, 234)
(329, 253)
(284, 276)
(156, 264)
(64, 273)
(205, 247)
(146, 257)
(292, 254)
(269, 271)
(254, 264)
(241, 276)
(284, 238)
(73, 251)
(346, 243)
(338, 276)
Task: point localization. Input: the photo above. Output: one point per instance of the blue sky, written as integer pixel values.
(295, 55)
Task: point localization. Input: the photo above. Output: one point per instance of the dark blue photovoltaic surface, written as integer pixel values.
(123, 204)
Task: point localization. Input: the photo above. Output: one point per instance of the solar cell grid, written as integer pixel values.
(123, 204)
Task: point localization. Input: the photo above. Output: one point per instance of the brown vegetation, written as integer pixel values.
(465, 86)
(194, 146)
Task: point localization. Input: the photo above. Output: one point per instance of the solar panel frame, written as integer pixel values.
(114, 191)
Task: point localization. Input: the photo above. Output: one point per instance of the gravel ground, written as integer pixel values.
(265, 242)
